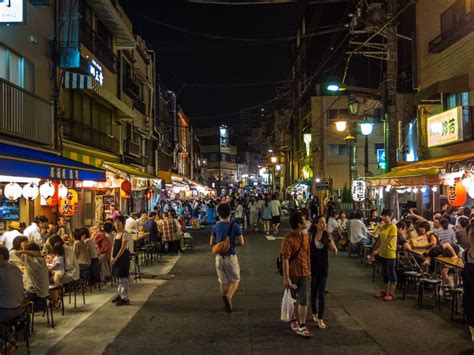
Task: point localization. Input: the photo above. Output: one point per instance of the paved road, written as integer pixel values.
(186, 314)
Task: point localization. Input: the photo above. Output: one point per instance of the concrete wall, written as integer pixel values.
(32, 41)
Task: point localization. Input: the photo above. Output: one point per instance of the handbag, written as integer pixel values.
(223, 246)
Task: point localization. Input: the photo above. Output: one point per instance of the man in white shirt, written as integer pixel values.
(275, 209)
(131, 223)
(333, 228)
(358, 230)
(34, 231)
(8, 237)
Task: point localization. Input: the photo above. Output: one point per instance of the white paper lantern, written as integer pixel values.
(62, 191)
(358, 190)
(30, 191)
(176, 190)
(470, 190)
(13, 191)
(46, 190)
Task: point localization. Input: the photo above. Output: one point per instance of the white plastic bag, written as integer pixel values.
(287, 306)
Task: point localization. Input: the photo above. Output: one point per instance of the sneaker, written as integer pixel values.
(294, 325)
(389, 298)
(304, 332)
(122, 303)
(227, 305)
(116, 299)
(315, 318)
(321, 324)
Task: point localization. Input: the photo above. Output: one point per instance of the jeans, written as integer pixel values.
(318, 293)
(388, 270)
(122, 290)
(366, 241)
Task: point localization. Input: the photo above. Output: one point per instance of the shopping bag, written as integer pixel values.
(287, 306)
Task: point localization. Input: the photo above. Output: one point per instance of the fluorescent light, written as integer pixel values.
(6, 178)
(333, 87)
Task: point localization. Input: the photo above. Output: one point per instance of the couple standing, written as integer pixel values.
(304, 252)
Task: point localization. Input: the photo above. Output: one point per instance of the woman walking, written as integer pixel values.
(266, 216)
(121, 261)
(253, 210)
(321, 243)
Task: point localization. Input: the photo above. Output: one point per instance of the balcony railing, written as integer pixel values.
(92, 137)
(25, 115)
(91, 40)
(452, 34)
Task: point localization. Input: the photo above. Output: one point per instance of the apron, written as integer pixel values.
(468, 281)
(121, 267)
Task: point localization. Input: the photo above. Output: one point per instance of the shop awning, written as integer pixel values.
(124, 169)
(20, 161)
(407, 177)
(168, 176)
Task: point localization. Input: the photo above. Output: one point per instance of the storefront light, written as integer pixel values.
(415, 190)
(30, 191)
(341, 126)
(278, 167)
(13, 191)
(366, 128)
(434, 188)
(408, 189)
(388, 188)
(423, 189)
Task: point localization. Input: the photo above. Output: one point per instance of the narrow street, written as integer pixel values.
(185, 315)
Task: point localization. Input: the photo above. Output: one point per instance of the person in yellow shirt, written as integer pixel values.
(386, 247)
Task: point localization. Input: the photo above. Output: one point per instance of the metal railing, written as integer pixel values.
(25, 115)
(92, 41)
(84, 134)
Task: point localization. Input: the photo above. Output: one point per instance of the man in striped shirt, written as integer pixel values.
(445, 234)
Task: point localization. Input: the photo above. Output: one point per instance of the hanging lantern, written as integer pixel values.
(358, 190)
(30, 191)
(13, 191)
(470, 190)
(69, 205)
(125, 188)
(149, 194)
(47, 190)
(62, 191)
(176, 190)
(53, 200)
(457, 194)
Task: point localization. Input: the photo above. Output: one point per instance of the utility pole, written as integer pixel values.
(391, 119)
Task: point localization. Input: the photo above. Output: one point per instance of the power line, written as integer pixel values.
(255, 40)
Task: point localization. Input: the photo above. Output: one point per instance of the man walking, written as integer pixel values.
(227, 265)
(295, 253)
(275, 209)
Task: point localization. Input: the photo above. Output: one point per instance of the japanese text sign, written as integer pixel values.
(445, 128)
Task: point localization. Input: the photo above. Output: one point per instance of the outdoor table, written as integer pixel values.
(457, 264)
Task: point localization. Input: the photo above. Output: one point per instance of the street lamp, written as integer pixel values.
(333, 87)
(341, 126)
(366, 129)
(273, 160)
(278, 167)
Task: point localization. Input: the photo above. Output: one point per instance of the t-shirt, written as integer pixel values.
(290, 244)
(58, 263)
(91, 248)
(151, 228)
(130, 224)
(275, 207)
(332, 225)
(445, 235)
(11, 286)
(104, 245)
(35, 277)
(358, 230)
(126, 236)
(33, 233)
(239, 211)
(221, 230)
(292, 204)
(8, 237)
(390, 251)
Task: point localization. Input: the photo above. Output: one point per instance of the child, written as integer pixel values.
(57, 265)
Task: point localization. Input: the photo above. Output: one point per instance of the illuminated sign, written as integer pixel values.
(12, 11)
(307, 142)
(382, 163)
(445, 128)
(95, 69)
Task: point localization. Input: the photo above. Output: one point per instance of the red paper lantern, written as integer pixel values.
(149, 194)
(53, 200)
(126, 186)
(457, 195)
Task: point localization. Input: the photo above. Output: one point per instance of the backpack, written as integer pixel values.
(279, 260)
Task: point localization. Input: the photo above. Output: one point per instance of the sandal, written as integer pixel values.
(389, 298)
(294, 325)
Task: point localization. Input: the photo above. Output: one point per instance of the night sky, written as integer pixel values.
(190, 64)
